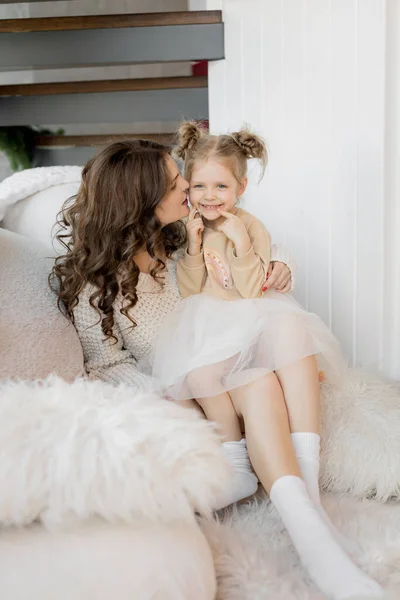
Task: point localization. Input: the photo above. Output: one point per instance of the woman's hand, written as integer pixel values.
(279, 278)
(235, 230)
(194, 229)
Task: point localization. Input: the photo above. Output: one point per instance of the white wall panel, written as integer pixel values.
(309, 75)
(391, 270)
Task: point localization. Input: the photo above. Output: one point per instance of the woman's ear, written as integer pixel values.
(242, 187)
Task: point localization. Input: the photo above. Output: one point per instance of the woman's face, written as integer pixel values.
(174, 206)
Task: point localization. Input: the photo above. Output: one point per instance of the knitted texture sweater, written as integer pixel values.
(117, 362)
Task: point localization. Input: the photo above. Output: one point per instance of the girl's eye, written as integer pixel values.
(221, 185)
(197, 186)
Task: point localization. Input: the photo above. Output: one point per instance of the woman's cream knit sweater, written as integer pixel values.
(118, 362)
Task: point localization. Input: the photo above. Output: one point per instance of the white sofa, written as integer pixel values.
(60, 539)
(93, 550)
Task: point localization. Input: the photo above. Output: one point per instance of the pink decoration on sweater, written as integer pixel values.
(218, 268)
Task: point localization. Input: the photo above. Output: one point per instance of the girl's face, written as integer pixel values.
(174, 206)
(213, 187)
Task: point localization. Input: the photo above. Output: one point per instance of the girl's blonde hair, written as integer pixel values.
(234, 150)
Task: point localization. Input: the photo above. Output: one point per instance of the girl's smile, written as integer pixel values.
(213, 188)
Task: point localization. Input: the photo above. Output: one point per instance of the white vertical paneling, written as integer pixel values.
(251, 81)
(391, 307)
(309, 75)
(233, 65)
(268, 197)
(316, 164)
(291, 193)
(343, 156)
(370, 171)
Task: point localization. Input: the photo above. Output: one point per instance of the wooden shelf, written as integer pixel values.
(201, 17)
(111, 85)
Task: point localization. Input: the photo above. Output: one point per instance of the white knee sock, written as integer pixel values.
(307, 449)
(244, 483)
(328, 565)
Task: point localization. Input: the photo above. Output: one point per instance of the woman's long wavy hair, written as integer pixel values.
(109, 221)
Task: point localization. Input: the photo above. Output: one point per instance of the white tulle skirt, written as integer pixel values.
(208, 346)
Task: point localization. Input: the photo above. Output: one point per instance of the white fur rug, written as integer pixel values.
(255, 559)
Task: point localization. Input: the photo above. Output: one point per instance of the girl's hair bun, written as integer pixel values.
(251, 145)
(189, 134)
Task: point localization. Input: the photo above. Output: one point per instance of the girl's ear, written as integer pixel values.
(242, 187)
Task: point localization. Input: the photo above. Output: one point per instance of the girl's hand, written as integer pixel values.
(279, 278)
(194, 229)
(235, 230)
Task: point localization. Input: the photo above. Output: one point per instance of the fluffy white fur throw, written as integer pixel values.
(89, 449)
(85, 449)
(361, 437)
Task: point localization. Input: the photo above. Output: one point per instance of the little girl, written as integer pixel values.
(230, 330)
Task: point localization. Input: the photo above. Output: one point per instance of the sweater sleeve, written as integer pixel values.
(281, 254)
(249, 271)
(106, 359)
(191, 273)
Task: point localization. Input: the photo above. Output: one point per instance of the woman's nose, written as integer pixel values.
(185, 184)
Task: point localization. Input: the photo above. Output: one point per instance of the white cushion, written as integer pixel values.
(30, 201)
(36, 215)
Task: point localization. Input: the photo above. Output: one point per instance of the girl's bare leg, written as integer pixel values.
(263, 408)
(301, 389)
(221, 410)
(192, 404)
